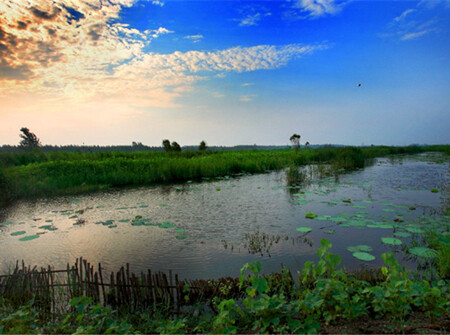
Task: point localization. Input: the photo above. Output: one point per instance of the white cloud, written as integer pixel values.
(314, 9)
(246, 84)
(158, 3)
(414, 23)
(247, 98)
(194, 38)
(252, 19)
(58, 56)
(218, 95)
(417, 34)
(402, 16)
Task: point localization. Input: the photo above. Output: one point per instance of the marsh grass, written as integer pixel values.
(35, 174)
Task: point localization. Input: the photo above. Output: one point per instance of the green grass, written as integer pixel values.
(35, 174)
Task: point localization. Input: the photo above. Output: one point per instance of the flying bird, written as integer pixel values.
(359, 85)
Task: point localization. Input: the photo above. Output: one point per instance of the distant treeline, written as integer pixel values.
(142, 147)
(36, 173)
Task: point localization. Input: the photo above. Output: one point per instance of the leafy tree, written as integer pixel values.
(202, 146)
(306, 144)
(166, 145)
(295, 140)
(175, 147)
(29, 140)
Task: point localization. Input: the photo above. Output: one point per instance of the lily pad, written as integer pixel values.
(391, 241)
(181, 237)
(310, 215)
(17, 233)
(179, 231)
(329, 231)
(415, 230)
(363, 256)
(434, 190)
(359, 248)
(28, 238)
(48, 227)
(423, 252)
(167, 224)
(304, 229)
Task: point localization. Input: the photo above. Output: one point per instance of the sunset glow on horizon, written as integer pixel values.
(228, 72)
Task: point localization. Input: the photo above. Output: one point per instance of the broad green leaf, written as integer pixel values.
(391, 241)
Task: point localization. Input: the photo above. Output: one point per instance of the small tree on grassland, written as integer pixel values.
(29, 140)
(295, 140)
(202, 146)
(175, 147)
(166, 145)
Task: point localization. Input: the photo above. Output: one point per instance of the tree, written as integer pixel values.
(202, 146)
(166, 145)
(176, 147)
(29, 140)
(306, 144)
(295, 140)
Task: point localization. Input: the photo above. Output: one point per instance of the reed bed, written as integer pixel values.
(36, 174)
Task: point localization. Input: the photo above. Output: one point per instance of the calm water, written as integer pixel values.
(208, 225)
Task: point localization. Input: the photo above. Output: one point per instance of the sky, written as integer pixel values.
(110, 72)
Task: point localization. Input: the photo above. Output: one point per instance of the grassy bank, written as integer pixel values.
(35, 174)
(324, 299)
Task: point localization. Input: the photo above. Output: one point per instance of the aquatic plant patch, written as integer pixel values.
(28, 238)
(17, 233)
(391, 241)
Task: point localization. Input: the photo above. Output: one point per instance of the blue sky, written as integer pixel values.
(227, 72)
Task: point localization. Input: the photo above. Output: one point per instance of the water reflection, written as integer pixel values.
(209, 229)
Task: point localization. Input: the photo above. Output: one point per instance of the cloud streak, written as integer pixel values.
(78, 51)
(314, 9)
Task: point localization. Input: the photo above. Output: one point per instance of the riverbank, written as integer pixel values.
(323, 300)
(38, 174)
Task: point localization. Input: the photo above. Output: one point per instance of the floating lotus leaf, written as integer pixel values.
(48, 220)
(162, 205)
(329, 231)
(5, 223)
(179, 231)
(347, 201)
(100, 206)
(143, 206)
(310, 215)
(167, 224)
(415, 230)
(73, 217)
(391, 241)
(361, 247)
(48, 227)
(304, 229)
(137, 223)
(423, 252)
(217, 188)
(181, 237)
(363, 256)
(359, 206)
(28, 238)
(17, 233)
(108, 222)
(381, 226)
(75, 201)
(125, 220)
(402, 234)
(112, 226)
(434, 190)
(388, 210)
